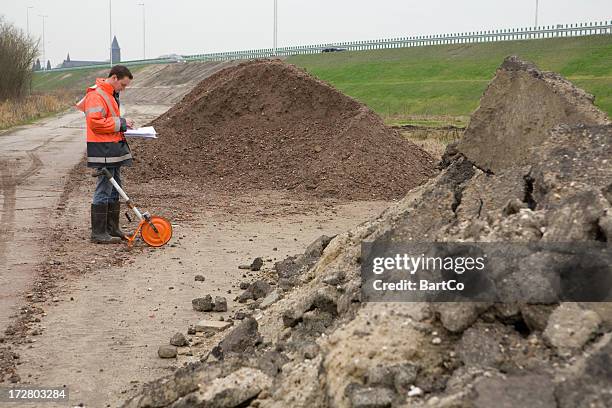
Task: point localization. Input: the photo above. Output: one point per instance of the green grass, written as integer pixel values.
(75, 80)
(408, 85)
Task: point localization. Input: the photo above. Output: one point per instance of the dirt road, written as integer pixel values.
(34, 161)
(104, 331)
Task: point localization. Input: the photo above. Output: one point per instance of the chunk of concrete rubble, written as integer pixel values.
(166, 351)
(570, 327)
(512, 119)
(316, 248)
(240, 315)
(184, 351)
(211, 326)
(310, 350)
(291, 268)
(587, 382)
(256, 290)
(399, 377)
(220, 304)
(536, 316)
(243, 338)
(270, 299)
(369, 397)
(458, 316)
(179, 340)
(256, 264)
(534, 391)
(234, 390)
(203, 304)
(480, 346)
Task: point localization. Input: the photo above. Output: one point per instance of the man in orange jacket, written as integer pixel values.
(107, 147)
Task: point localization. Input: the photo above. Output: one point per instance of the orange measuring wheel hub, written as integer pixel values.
(156, 238)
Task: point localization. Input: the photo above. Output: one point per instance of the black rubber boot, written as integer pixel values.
(99, 235)
(112, 220)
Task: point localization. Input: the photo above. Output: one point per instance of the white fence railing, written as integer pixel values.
(513, 34)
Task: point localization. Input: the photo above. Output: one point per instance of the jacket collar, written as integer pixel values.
(106, 87)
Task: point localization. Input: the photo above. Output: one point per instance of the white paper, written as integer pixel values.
(147, 132)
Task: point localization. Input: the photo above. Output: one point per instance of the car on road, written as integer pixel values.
(333, 49)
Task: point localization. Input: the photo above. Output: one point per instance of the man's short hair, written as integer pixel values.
(121, 71)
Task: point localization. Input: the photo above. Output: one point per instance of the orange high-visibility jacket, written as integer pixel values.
(106, 144)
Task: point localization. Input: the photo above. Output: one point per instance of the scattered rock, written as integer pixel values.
(588, 382)
(240, 315)
(480, 346)
(310, 351)
(184, 351)
(234, 390)
(457, 317)
(570, 327)
(179, 340)
(536, 316)
(256, 290)
(270, 299)
(256, 264)
(534, 391)
(211, 326)
(369, 397)
(244, 337)
(220, 304)
(167, 351)
(200, 278)
(335, 278)
(203, 304)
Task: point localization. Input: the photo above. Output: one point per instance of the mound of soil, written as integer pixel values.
(269, 125)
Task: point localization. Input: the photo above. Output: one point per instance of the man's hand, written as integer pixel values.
(129, 123)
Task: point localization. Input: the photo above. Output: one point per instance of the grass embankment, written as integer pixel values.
(442, 85)
(75, 80)
(33, 107)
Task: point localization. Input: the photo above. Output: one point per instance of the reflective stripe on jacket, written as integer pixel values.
(106, 144)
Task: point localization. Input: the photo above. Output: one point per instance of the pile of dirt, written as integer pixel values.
(269, 125)
(318, 344)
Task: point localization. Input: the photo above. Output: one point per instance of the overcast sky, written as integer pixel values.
(190, 27)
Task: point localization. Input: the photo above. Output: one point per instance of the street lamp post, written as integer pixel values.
(144, 52)
(43, 39)
(110, 31)
(275, 25)
(536, 13)
(28, 19)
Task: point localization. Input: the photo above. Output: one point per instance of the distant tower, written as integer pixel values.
(68, 58)
(116, 51)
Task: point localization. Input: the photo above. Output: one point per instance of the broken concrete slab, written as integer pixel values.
(570, 327)
(517, 111)
(211, 326)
